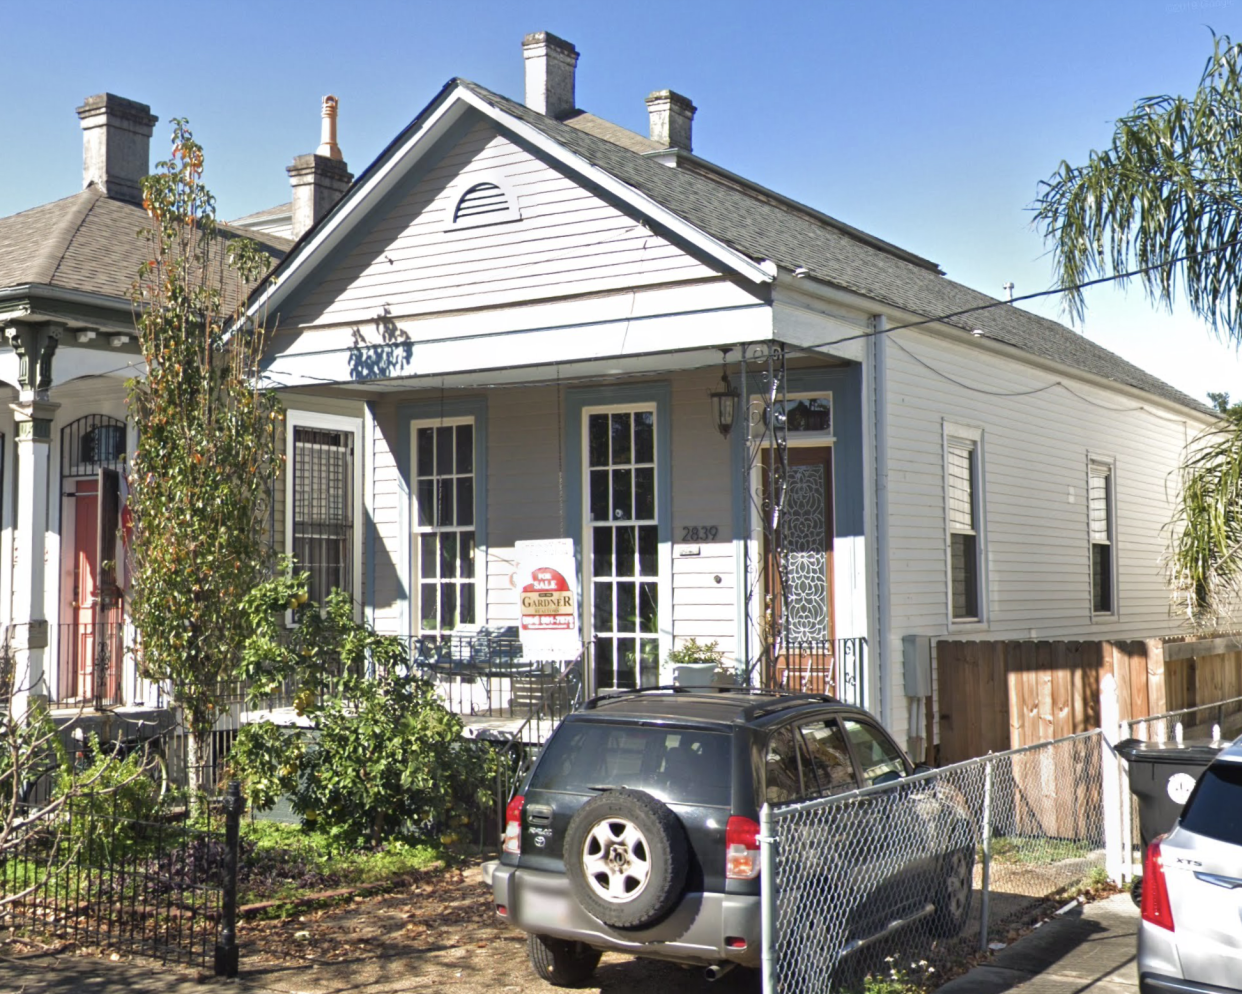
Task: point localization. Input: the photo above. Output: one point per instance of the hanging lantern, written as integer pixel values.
(724, 400)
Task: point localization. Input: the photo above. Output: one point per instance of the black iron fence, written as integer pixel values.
(820, 666)
(84, 871)
(90, 661)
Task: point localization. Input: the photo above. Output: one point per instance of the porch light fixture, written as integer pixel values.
(724, 400)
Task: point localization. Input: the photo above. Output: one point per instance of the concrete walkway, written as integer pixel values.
(1090, 949)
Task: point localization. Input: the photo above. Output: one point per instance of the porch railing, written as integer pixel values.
(90, 661)
(486, 676)
(820, 666)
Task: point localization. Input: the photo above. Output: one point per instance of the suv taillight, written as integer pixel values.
(741, 848)
(1156, 907)
(513, 825)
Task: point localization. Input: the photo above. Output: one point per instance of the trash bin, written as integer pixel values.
(1162, 775)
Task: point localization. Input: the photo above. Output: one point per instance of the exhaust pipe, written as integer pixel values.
(718, 970)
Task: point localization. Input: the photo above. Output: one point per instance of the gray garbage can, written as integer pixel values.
(1162, 775)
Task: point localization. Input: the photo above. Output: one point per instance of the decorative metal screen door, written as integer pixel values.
(805, 660)
(623, 547)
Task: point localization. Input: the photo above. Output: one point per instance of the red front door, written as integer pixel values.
(91, 648)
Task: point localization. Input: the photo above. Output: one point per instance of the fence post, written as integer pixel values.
(767, 892)
(226, 946)
(987, 853)
(1112, 773)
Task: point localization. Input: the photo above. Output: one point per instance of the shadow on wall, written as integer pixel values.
(383, 353)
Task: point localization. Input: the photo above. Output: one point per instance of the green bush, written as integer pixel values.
(108, 800)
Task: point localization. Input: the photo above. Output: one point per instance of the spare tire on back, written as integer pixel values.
(626, 856)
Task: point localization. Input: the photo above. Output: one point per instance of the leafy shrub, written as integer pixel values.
(109, 800)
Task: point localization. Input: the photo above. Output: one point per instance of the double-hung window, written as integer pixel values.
(963, 508)
(1100, 526)
(444, 539)
(324, 501)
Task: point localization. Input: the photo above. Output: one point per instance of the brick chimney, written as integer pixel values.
(116, 145)
(319, 180)
(672, 117)
(550, 64)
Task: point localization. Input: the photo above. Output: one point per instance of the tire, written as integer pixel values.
(561, 962)
(954, 894)
(626, 856)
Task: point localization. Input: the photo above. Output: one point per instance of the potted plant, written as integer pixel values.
(700, 664)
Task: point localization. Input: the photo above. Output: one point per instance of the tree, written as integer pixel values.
(1165, 200)
(207, 457)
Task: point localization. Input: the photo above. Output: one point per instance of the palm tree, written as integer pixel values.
(1163, 205)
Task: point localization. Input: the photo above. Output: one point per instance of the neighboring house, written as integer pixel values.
(66, 273)
(510, 327)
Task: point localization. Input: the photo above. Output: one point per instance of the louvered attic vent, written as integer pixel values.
(482, 198)
(485, 202)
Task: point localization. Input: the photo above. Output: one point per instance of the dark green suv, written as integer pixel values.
(637, 829)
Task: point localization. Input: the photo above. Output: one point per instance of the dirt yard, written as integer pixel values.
(440, 933)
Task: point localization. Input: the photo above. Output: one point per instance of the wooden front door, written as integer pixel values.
(804, 615)
(93, 638)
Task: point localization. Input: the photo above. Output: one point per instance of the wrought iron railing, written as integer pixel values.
(90, 662)
(821, 666)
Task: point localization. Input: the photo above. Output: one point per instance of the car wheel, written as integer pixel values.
(953, 897)
(561, 962)
(626, 857)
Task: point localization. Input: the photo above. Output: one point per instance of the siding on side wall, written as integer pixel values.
(1033, 493)
(568, 241)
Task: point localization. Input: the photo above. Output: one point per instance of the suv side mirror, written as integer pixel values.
(922, 768)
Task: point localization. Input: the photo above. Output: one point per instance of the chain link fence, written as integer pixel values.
(949, 857)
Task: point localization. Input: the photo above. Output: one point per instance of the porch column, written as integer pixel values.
(35, 344)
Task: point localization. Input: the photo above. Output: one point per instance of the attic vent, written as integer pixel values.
(482, 198)
(487, 201)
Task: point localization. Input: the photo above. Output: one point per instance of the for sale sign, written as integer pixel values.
(547, 590)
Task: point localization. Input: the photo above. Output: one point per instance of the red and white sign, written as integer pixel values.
(547, 591)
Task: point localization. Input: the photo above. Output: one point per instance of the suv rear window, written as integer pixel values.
(681, 766)
(1214, 809)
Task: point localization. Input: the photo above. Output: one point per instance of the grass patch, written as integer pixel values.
(282, 862)
(1034, 850)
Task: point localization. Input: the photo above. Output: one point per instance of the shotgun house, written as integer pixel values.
(756, 424)
(66, 273)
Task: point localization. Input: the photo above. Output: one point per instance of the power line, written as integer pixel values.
(1028, 296)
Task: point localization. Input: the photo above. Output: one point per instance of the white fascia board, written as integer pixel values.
(757, 272)
(455, 105)
(568, 344)
(355, 205)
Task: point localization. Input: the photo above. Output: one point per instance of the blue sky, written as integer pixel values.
(928, 124)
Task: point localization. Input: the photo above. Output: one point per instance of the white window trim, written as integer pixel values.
(1108, 464)
(664, 561)
(973, 434)
(480, 551)
(512, 211)
(800, 438)
(328, 422)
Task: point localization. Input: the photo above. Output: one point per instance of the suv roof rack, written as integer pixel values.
(784, 698)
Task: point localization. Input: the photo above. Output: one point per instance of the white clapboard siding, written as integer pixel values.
(388, 513)
(702, 496)
(568, 241)
(1034, 480)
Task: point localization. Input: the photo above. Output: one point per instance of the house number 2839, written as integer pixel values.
(699, 533)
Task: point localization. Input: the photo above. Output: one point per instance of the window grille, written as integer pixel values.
(963, 534)
(92, 443)
(323, 508)
(445, 526)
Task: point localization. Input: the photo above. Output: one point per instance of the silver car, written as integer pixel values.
(1190, 937)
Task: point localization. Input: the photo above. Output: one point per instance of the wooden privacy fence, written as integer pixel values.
(994, 696)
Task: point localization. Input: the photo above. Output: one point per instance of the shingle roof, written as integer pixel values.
(763, 228)
(86, 242)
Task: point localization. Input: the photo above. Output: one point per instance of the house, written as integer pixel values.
(66, 273)
(757, 424)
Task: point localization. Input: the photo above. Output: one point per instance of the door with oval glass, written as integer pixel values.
(804, 660)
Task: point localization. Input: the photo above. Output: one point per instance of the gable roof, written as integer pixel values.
(87, 242)
(755, 223)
